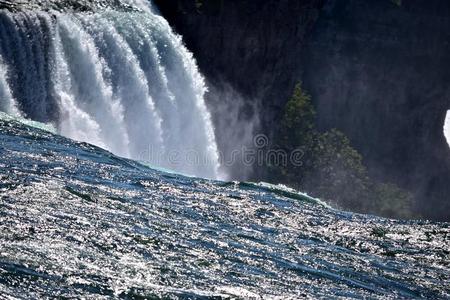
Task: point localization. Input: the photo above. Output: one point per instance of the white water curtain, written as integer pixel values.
(121, 80)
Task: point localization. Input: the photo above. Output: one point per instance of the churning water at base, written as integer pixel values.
(120, 80)
(78, 222)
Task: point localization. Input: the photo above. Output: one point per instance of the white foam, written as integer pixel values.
(42, 126)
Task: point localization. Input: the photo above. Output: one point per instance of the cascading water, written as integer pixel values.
(120, 80)
(7, 103)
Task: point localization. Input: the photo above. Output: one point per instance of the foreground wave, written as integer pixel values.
(76, 221)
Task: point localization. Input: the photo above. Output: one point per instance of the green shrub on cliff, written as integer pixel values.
(335, 171)
(331, 168)
(392, 202)
(198, 4)
(397, 2)
(298, 123)
(297, 132)
(209, 7)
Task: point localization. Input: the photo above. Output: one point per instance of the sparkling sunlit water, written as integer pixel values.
(79, 222)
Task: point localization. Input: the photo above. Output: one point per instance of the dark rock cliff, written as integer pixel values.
(377, 70)
(252, 45)
(250, 53)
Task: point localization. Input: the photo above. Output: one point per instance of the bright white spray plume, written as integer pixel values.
(447, 127)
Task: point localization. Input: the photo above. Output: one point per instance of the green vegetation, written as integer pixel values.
(198, 4)
(397, 2)
(392, 202)
(331, 168)
(208, 6)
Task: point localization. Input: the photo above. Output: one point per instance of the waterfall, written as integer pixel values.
(121, 80)
(7, 103)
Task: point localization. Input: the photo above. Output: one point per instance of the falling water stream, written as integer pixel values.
(120, 80)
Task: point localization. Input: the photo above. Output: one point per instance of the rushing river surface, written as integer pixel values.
(77, 221)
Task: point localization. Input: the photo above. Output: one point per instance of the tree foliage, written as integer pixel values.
(331, 168)
(298, 123)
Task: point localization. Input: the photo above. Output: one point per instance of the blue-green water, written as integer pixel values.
(77, 221)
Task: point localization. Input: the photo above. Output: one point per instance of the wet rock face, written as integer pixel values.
(376, 69)
(249, 52)
(380, 72)
(252, 45)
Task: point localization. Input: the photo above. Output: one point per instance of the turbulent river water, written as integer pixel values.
(79, 222)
